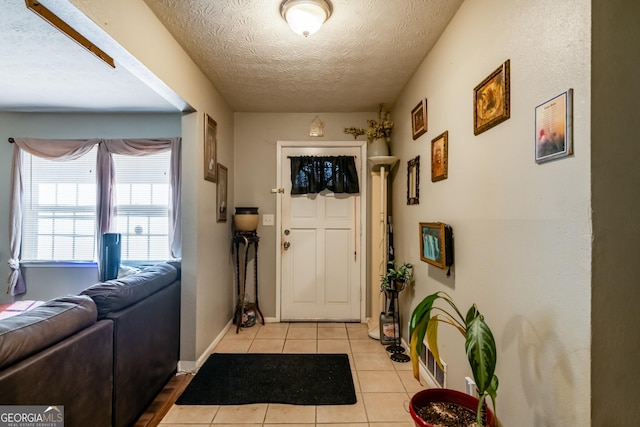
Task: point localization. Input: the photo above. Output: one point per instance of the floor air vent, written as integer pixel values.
(437, 374)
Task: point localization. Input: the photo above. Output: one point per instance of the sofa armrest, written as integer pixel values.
(76, 373)
(27, 333)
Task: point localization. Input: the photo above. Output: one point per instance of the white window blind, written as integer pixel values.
(142, 206)
(59, 209)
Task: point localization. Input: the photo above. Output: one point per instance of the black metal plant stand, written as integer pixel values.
(248, 239)
(396, 350)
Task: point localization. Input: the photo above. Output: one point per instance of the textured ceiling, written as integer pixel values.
(363, 56)
(44, 70)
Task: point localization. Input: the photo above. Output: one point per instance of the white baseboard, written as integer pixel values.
(192, 366)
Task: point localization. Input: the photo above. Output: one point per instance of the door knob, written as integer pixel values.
(286, 245)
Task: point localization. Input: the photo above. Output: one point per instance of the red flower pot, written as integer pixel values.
(444, 395)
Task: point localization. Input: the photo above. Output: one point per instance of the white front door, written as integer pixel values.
(321, 249)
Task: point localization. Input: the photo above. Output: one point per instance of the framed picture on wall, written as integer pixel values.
(554, 128)
(419, 123)
(491, 100)
(413, 181)
(440, 157)
(210, 149)
(221, 194)
(436, 244)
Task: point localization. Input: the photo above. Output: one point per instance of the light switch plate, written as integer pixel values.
(268, 219)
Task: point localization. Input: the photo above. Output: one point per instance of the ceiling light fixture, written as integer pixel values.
(305, 17)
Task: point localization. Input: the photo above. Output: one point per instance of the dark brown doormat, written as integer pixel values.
(297, 379)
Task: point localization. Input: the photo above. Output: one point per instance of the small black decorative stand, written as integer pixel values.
(396, 350)
(248, 239)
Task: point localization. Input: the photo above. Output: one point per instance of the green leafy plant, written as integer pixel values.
(380, 128)
(479, 343)
(401, 274)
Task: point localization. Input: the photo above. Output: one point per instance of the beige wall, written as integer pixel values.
(207, 275)
(522, 230)
(256, 138)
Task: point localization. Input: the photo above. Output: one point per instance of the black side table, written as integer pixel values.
(247, 239)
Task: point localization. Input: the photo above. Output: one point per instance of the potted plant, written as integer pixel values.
(480, 347)
(396, 278)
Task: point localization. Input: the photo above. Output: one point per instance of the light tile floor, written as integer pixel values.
(383, 387)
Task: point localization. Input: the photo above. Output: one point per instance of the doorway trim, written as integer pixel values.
(362, 160)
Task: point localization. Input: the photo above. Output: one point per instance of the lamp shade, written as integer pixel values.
(305, 17)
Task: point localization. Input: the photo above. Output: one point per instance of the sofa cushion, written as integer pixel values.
(117, 294)
(27, 333)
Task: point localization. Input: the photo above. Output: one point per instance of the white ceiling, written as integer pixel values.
(41, 69)
(363, 56)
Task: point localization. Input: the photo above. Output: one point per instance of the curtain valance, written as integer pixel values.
(313, 174)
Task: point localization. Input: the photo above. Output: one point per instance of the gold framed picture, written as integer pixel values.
(440, 157)
(221, 194)
(491, 100)
(419, 123)
(210, 149)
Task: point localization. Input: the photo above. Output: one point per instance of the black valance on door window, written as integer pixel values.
(312, 174)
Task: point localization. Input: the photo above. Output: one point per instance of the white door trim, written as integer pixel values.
(362, 159)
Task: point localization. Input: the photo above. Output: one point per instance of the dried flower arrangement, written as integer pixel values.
(380, 128)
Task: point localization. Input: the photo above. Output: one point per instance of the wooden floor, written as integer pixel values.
(163, 401)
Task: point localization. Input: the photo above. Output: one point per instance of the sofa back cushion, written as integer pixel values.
(117, 294)
(27, 333)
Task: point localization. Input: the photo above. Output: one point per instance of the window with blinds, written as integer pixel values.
(60, 208)
(59, 218)
(142, 206)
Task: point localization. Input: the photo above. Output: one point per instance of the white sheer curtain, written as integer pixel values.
(72, 149)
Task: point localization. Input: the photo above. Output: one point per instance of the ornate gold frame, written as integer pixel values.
(492, 100)
(440, 157)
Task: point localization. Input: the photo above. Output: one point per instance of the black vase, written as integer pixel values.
(246, 211)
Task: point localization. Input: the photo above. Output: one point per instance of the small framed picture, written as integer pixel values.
(413, 181)
(210, 149)
(221, 194)
(436, 244)
(491, 100)
(419, 119)
(554, 128)
(440, 157)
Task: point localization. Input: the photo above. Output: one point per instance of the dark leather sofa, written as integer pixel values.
(145, 311)
(106, 364)
(59, 354)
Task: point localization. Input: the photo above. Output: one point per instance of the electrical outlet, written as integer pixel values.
(470, 387)
(268, 219)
